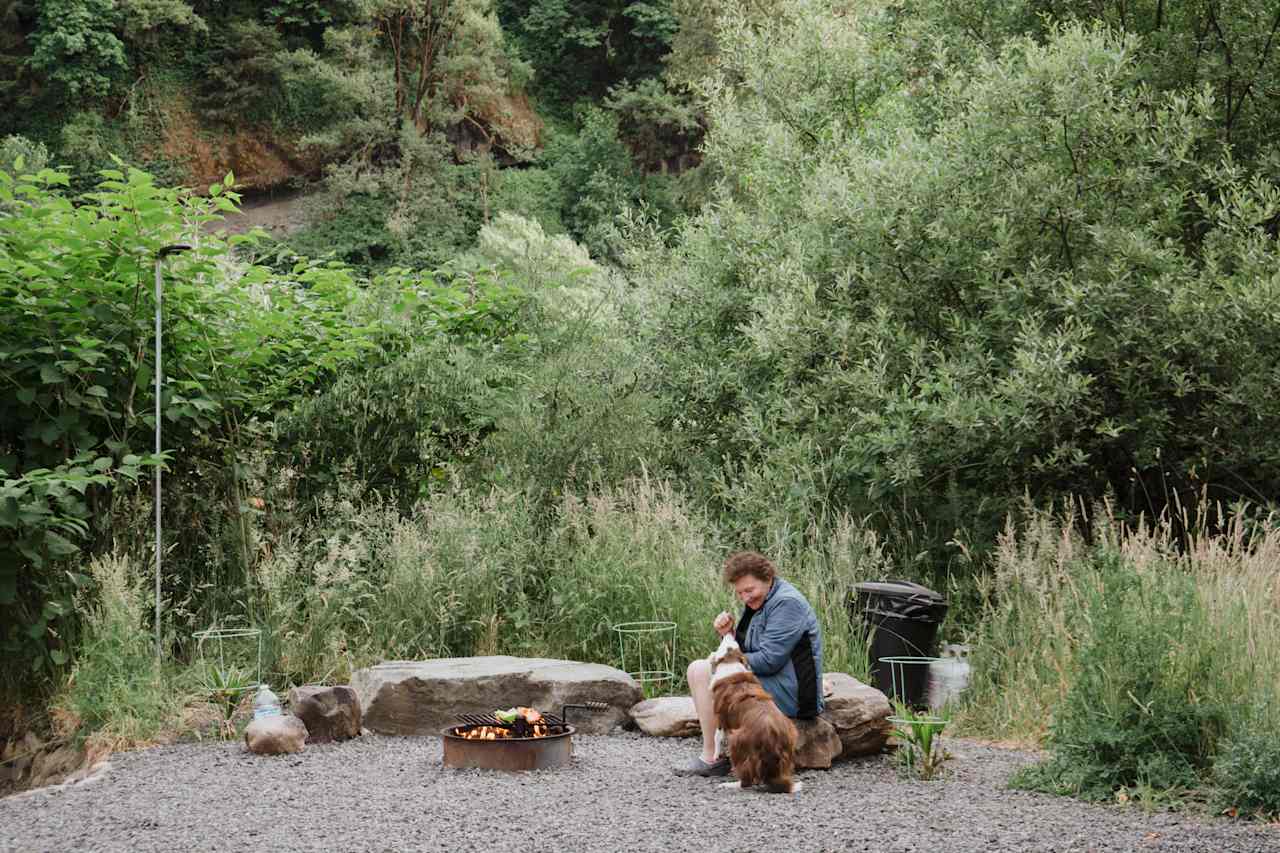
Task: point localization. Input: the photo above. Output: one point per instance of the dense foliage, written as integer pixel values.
(1025, 277)
(608, 288)
(78, 363)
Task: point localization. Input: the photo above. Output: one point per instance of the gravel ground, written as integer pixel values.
(381, 793)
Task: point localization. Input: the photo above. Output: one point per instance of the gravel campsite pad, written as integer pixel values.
(380, 793)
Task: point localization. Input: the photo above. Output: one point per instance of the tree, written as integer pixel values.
(693, 43)
(448, 56)
(580, 48)
(74, 45)
(934, 294)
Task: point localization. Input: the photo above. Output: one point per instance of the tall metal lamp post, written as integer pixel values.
(160, 256)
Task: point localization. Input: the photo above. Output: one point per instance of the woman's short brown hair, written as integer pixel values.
(745, 563)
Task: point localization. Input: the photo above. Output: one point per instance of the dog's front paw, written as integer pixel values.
(731, 786)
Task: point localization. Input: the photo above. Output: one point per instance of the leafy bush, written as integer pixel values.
(414, 208)
(575, 409)
(934, 296)
(531, 193)
(34, 156)
(578, 48)
(399, 427)
(1136, 713)
(1247, 772)
(599, 181)
(243, 78)
(657, 123)
(1155, 648)
(77, 339)
(75, 48)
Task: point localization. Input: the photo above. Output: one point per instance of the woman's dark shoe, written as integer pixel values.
(698, 767)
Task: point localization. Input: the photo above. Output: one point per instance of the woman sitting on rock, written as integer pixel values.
(780, 636)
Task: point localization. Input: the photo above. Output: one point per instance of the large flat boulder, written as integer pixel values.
(858, 712)
(424, 697)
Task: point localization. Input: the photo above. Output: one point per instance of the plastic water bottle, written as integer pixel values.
(948, 676)
(266, 703)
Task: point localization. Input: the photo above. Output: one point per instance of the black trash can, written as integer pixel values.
(899, 619)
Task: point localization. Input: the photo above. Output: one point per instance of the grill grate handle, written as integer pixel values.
(586, 706)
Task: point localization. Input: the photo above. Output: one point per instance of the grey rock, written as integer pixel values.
(424, 697)
(277, 735)
(858, 712)
(329, 712)
(667, 716)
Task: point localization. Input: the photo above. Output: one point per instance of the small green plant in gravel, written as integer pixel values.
(921, 753)
(226, 686)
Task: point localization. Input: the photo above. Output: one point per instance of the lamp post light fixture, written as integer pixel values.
(160, 256)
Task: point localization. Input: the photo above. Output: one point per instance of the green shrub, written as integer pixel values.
(1246, 773)
(400, 426)
(33, 155)
(1137, 713)
(533, 193)
(596, 176)
(75, 47)
(79, 362)
(242, 82)
(934, 288)
(355, 233)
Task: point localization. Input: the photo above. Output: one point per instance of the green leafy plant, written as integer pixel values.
(226, 686)
(77, 362)
(1137, 714)
(921, 752)
(75, 47)
(1246, 772)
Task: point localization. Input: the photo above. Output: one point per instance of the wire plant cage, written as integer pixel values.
(230, 659)
(908, 675)
(648, 653)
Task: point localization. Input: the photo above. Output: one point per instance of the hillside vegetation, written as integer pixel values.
(984, 295)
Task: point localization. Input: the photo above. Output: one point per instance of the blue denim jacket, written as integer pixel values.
(783, 646)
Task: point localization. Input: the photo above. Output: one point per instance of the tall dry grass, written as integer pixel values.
(1046, 580)
(489, 573)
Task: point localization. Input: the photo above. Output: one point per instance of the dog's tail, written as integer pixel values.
(779, 764)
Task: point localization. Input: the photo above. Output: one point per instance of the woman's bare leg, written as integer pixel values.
(699, 675)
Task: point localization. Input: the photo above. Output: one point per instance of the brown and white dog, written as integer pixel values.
(762, 740)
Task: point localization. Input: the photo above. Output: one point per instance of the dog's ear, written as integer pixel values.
(727, 645)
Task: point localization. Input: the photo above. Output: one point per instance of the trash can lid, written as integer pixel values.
(899, 589)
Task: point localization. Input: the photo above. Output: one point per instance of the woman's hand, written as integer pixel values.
(724, 624)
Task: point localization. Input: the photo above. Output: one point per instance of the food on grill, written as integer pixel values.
(518, 722)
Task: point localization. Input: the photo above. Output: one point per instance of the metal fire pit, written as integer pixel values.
(516, 753)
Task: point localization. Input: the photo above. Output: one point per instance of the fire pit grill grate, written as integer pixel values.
(551, 721)
(548, 745)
